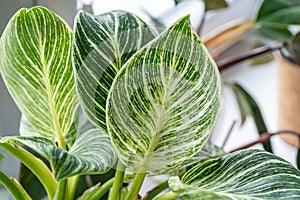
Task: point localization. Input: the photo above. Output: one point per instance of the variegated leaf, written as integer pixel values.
(26, 129)
(80, 125)
(208, 151)
(92, 153)
(36, 67)
(164, 101)
(243, 175)
(102, 44)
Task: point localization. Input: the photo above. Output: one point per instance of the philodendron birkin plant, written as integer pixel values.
(153, 100)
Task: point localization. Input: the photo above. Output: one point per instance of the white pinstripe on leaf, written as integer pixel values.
(243, 175)
(164, 101)
(92, 153)
(36, 67)
(102, 44)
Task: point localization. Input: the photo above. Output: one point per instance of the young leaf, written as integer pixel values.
(164, 101)
(14, 187)
(248, 106)
(247, 174)
(91, 153)
(36, 67)
(102, 44)
(36, 166)
(97, 191)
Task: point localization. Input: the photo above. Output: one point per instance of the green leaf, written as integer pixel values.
(26, 129)
(177, 1)
(208, 151)
(214, 4)
(88, 181)
(31, 183)
(280, 33)
(97, 191)
(79, 126)
(293, 47)
(274, 16)
(249, 107)
(14, 187)
(247, 174)
(36, 166)
(102, 44)
(161, 107)
(37, 70)
(209, 4)
(2, 157)
(91, 153)
(269, 8)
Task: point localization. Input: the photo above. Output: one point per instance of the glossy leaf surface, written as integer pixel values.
(91, 153)
(164, 101)
(102, 44)
(243, 175)
(36, 67)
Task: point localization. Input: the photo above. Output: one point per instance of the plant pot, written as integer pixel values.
(289, 99)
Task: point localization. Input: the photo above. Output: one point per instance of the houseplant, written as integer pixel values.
(152, 98)
(275, 22)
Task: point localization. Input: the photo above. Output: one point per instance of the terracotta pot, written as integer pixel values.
(289, 99)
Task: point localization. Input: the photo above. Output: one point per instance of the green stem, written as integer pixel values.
(118, 182)
(61, 190)
(137, 183)
(61, 142)
(155, 191)
(168, 196)
(97, 191)
(14, 187)
(72, 185)
(36, 166)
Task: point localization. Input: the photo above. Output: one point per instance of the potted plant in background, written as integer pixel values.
(278, 20)
(277, 23)
(153, 100)
(272, 22)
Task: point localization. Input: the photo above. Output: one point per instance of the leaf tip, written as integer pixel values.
(183, 25)
(185, 19)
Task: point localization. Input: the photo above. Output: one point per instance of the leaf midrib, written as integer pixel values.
(161, 112)
(57, 129)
